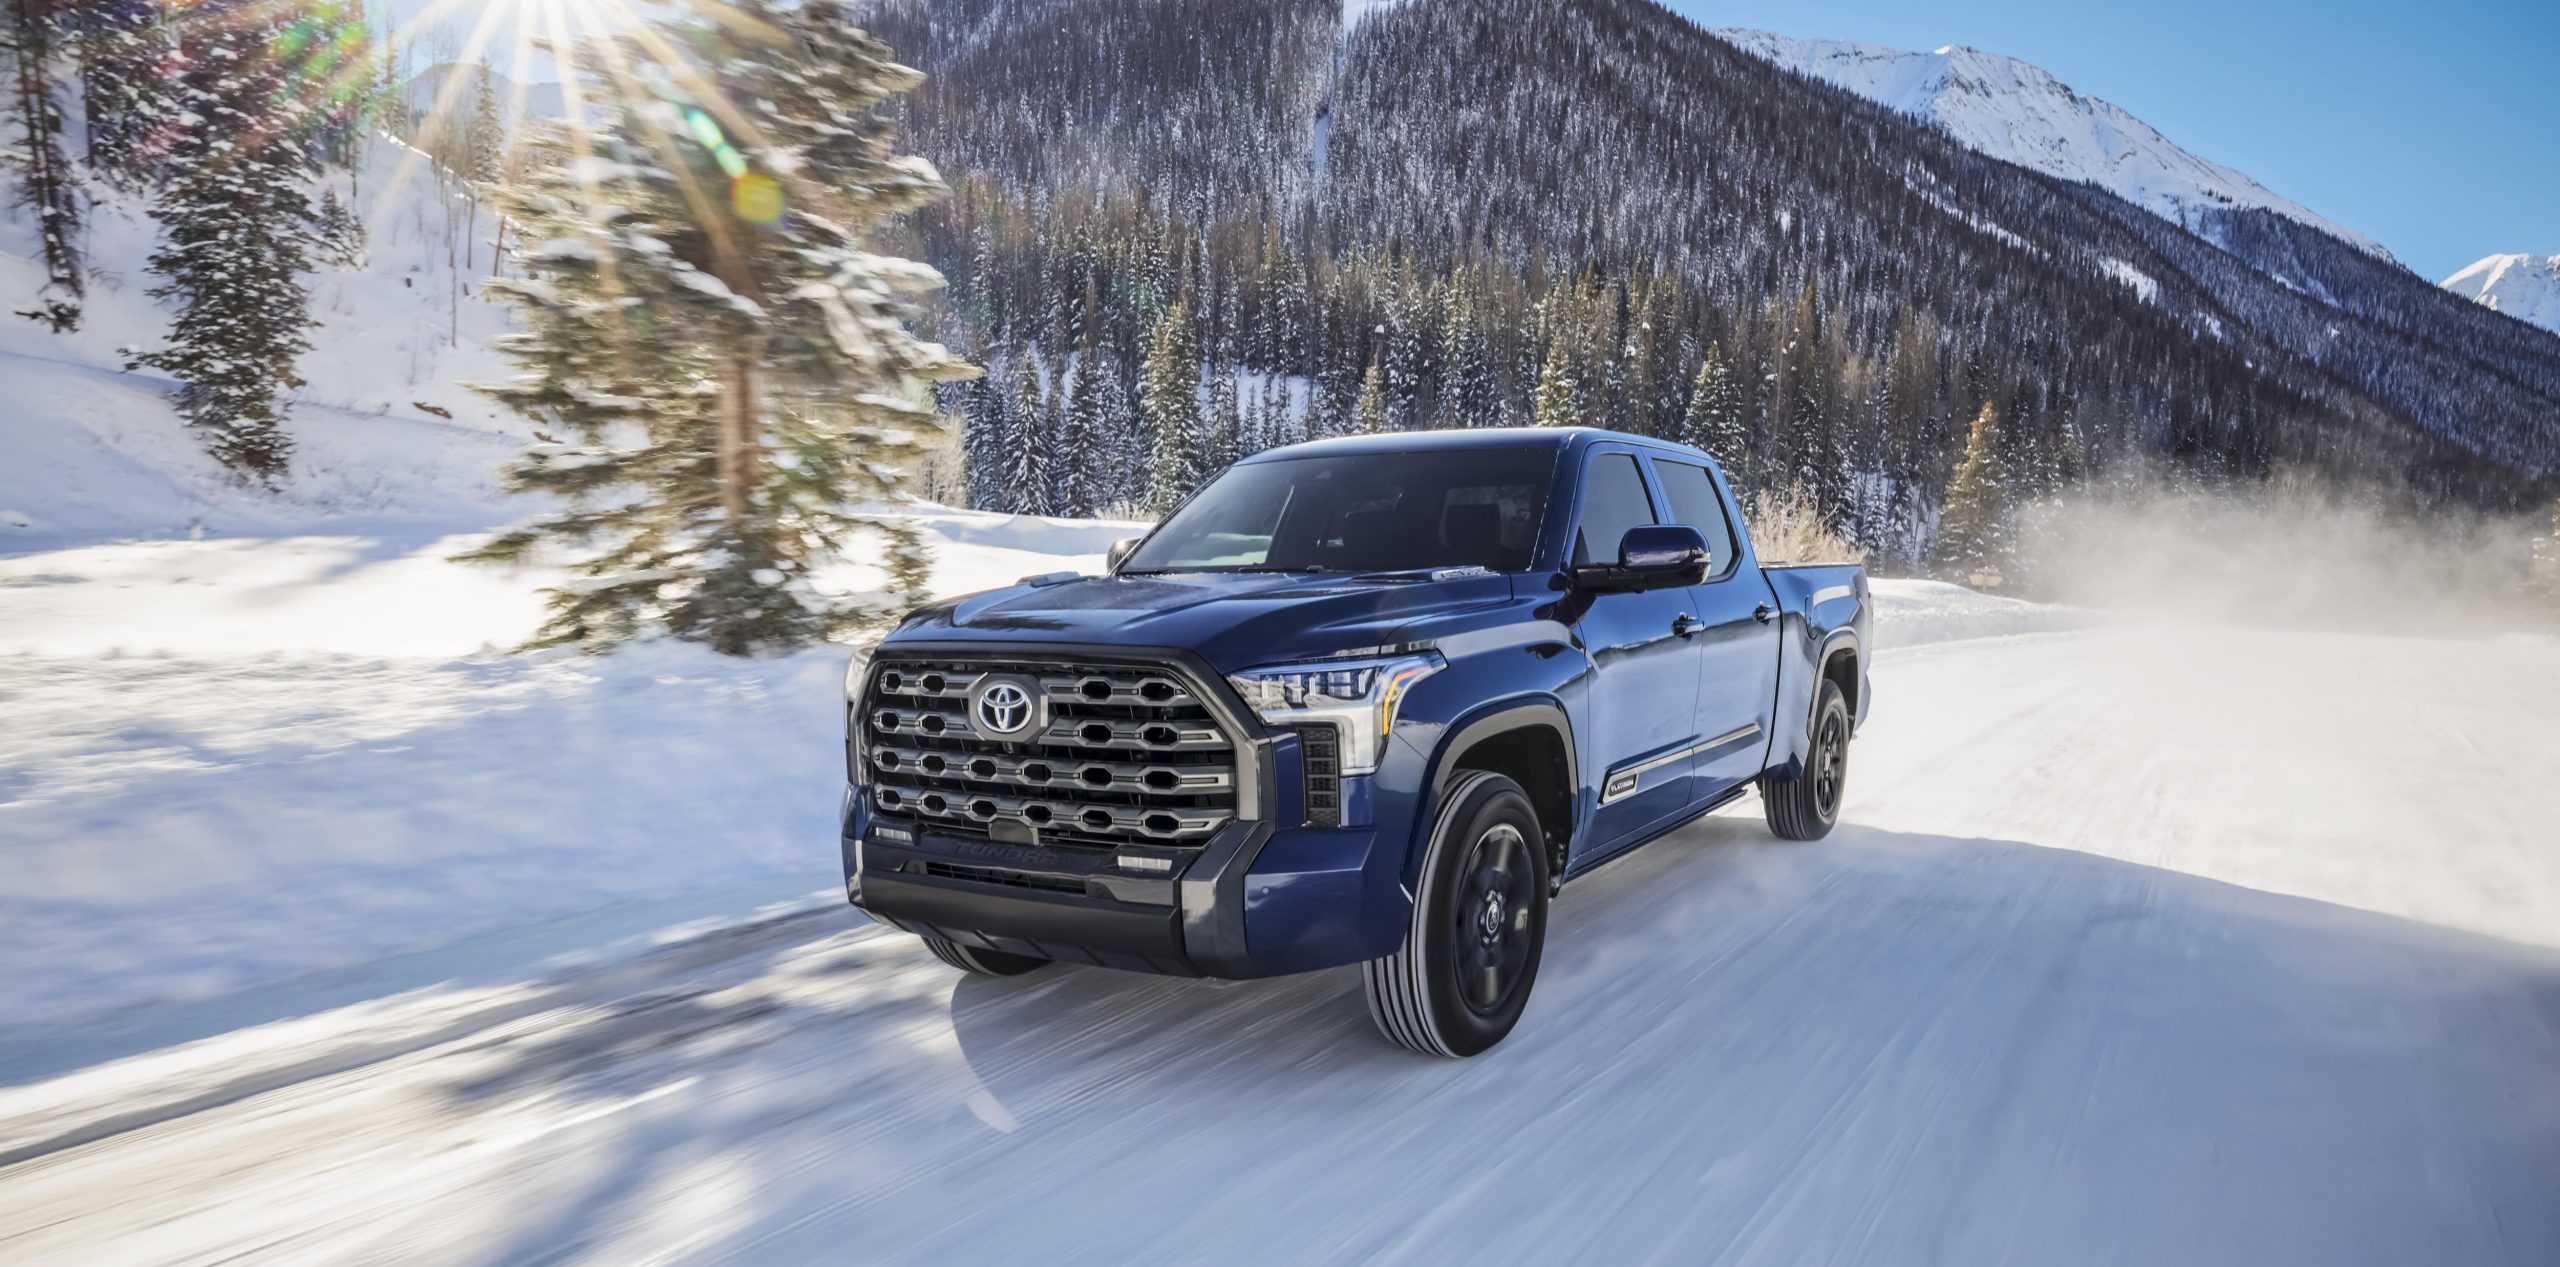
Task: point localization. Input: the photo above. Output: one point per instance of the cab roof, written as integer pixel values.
(1464, 439)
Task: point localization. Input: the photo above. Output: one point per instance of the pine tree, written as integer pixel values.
(1474, 398)
(1172, 405)
(1028, 475)
(1635, 410)
(1119, 475)
(125, 60)
(235, 238)
(986, 438)
(1370, 415)
(1081, 465)
(341, 234)
(704, 318)
(484, 146)
(46, 183)
(1557, 403)
(1714, 420)
(1222, 422)
(1973, 531)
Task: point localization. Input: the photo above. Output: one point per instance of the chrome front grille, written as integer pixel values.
(1125, 754)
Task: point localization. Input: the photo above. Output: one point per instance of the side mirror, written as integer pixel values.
(1120, 553)
(1652, 557)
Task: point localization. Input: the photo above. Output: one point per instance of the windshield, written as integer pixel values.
(1375, 512)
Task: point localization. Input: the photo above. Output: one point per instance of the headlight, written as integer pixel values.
(1359, 697)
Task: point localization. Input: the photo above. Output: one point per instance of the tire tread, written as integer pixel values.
(1397, 985)
(1789, 803)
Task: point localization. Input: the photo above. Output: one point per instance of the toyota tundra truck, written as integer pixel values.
(1376, 700)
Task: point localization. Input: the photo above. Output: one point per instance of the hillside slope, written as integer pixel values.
(2018, 112)
(1595, 155)
(98, 451)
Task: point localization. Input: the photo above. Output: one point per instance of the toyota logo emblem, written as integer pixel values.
(1004, 708)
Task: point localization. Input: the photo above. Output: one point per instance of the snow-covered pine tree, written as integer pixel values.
(1973, 530)
(1713, 421)
(1221, 421)
(1171, 399)
(986, 437)
(1473, 398)
(703, 318)
(1557, 403)
(1029, 475)
(1082, 441)
(1370, 415)
(340, 232)
(1635, 410)
(47, 185)
(235, 235)
(1119, 476)
(126, 60)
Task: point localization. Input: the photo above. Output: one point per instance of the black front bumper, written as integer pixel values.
(1068, 906)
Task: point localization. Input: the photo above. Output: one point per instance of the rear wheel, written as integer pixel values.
(985, 963)
(1470, 955)
(1805, 807)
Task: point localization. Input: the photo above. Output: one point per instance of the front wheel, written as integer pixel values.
(1806, 806)
(1462, 977)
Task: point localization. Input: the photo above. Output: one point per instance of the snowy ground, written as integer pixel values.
(233, 762)
(328, 937)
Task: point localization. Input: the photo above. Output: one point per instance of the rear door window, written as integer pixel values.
(1694, 502)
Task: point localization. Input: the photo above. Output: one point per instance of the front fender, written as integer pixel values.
(1420, 800)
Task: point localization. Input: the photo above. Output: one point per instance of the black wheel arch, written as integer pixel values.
(1841, 661)
(1529, 741)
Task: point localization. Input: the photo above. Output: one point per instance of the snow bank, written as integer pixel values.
(1915, 613)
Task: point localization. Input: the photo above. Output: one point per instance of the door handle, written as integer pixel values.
(1685, 624)
(1764, 613)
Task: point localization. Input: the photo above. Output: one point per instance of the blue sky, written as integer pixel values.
(2434, 127)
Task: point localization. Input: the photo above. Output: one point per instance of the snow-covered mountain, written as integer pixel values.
(2526, 287)
(2016, 111)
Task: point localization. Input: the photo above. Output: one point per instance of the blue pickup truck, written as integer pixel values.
(1371, 701)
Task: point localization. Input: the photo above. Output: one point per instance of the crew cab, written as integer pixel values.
(1373, 700)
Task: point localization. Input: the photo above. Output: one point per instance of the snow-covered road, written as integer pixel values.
(2143, 945)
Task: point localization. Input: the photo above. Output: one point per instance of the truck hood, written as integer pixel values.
(1233, 620)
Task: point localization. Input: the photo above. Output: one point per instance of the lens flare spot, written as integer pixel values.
(704, 129)
(756, 197)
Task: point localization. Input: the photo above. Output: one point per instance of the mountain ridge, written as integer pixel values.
(2015, 110)
(2522, 285)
